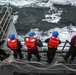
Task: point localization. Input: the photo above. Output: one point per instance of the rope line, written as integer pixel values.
(31, 67)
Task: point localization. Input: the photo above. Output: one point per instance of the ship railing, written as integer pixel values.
(63, 47)
(5, 21)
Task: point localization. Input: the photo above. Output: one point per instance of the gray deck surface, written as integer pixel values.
(24, 66)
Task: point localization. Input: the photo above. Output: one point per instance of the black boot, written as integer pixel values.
(39, 59)
(48, 61)
(64, 58)
(1, 58)
(6, 56)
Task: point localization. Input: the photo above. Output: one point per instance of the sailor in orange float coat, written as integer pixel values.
(52, 44)
(31, 43)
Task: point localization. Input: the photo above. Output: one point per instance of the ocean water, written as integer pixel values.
(43, 17)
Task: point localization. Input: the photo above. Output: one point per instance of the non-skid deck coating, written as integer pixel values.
(34, 67)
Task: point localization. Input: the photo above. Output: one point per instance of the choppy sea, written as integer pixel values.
(44, 16)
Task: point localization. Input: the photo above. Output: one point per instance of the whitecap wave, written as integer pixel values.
(40, 3)
(54, 17)
(15, 18)
(65, 33)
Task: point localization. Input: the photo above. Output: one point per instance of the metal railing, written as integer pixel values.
(5, 20)
(63, 47)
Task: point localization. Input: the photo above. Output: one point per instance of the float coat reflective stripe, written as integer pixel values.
(30, 43)
(53, 42)
(13, 43)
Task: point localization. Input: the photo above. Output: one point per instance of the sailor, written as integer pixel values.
(72, 49)
(3, 54)
(31, 43)
(15, 45)
(52, 43)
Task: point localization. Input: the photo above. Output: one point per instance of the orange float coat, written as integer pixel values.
(30, 43)
(13, 43)
(53, 42)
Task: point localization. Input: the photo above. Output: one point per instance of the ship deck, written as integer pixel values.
(58, 66)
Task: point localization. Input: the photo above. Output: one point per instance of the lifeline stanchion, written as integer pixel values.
(63, 47)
